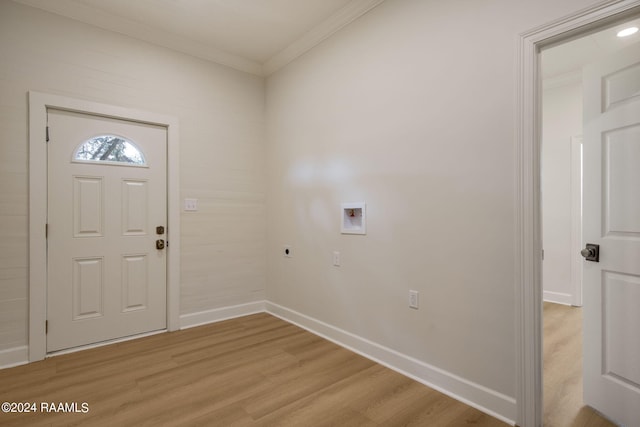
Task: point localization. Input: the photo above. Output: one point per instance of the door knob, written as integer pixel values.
(588, 252)
(591, 252)
(159, 244)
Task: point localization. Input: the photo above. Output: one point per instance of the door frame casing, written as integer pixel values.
(38, 104)
(528, 247)
(576, 220)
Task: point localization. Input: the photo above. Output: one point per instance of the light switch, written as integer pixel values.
(191, 205)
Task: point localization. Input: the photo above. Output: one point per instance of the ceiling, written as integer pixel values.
(566, 60)
(261, 36)
(256, 36)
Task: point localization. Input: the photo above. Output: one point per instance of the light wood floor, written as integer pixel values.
(252, 371)
(563, 405)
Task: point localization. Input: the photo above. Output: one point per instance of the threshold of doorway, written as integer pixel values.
(103, 343)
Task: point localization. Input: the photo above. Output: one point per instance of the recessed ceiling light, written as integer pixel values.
(627, 31)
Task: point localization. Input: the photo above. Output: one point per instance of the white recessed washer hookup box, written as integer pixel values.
(353, 218)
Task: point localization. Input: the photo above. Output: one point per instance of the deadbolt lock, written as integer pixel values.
(159, 230)
(159, 244)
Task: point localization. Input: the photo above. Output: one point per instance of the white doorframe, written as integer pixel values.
(528, 205)
(576, 220)
(38, 104)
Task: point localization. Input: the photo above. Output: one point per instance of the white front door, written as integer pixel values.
(611, 219)
(107, 194)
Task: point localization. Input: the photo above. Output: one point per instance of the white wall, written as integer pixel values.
(411, 109)
(562, 120)
(400, 109)
(222, 154)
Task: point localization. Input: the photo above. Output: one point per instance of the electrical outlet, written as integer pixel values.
(287, 251)
(336, 258)
(413, 299)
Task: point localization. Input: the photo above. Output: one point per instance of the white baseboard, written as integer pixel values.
(14, 356)
(218, 314)
(557, 297)
(486, 400)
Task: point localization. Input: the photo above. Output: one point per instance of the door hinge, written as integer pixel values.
(46, 326)
(543, 254)
(46, 231)
(47, 133)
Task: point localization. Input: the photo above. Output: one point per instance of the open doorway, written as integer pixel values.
(561, 188)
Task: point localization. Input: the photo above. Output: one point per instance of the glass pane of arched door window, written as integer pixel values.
(110, 149)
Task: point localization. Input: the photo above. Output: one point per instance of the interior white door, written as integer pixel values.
(107, 193)
(611, 219)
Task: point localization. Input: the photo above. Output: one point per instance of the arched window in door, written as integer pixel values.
(110, 149)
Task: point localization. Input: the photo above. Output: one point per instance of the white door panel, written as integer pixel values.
(621, 176)
(106, 279)
(611, 219)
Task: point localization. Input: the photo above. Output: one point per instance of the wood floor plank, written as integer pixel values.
(563, 405)
(252, 371)
(231, 416)
(307, 379)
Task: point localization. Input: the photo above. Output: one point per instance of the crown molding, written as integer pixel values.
(118, 24)
(315, 36)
